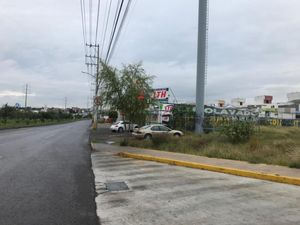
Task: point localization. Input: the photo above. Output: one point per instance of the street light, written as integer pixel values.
(88, 74)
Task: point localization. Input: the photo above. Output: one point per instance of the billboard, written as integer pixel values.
(161, 94)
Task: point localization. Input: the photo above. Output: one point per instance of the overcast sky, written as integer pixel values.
(253, 49)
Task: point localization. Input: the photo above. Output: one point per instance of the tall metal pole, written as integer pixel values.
(26, 94)
(201, 64)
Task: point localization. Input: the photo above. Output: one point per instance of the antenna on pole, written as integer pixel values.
(201, 64)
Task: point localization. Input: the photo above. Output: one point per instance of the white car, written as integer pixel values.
(149, 131)
(122, 126)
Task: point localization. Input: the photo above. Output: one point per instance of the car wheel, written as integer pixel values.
(148, 137)
(120, 130)
(177, 135)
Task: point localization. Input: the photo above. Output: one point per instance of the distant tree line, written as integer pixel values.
(12, 113)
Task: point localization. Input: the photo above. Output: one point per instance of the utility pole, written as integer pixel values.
(97, 83)
(201, 64)
(66, 101)
(26, 95)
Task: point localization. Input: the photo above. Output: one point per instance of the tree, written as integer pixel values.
(128, 91)
(7, 112)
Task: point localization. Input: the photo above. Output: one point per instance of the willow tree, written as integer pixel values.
(128, 90)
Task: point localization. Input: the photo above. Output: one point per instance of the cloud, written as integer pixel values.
(253, 48)
(11, 94)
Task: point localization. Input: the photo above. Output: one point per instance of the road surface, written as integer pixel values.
(163, 194)
(46, 176)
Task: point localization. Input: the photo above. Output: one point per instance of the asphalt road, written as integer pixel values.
(46, 176)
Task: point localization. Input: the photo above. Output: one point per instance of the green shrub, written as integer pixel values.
(124, 142)
(160, 139)
(238, 131)
(294, 164)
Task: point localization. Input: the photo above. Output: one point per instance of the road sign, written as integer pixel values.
(17, 105)
(97, 100)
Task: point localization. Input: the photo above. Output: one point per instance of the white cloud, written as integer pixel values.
(253, 48)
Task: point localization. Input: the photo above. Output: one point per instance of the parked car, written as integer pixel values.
(122, 126)
(149, 131)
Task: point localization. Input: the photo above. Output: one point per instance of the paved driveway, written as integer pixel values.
(165, 194)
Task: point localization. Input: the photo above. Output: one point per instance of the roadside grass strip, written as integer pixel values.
(227, 170)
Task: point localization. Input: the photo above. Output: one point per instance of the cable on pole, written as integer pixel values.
(90, 17)
(103, 39)
(119, 30)
(114, 31)
(97, 24)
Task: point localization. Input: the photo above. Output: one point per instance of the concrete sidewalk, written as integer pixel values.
(279, 171)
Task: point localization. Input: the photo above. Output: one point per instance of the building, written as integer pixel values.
(263, 99)
(238, 102)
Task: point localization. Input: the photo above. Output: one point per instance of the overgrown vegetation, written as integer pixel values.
(269, 145)
(238, 130)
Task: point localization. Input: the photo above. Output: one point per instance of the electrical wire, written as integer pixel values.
(83, 19)
(97, 22)
(132, 7)
(114, 22)
(114, 31)
(103, 39)
(119, 30)
(90, 16)
(82, 23)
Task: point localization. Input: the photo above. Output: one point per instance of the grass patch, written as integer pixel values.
(15, 123)
(269, 145)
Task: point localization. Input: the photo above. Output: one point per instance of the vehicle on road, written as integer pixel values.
(149, 131)
(122, 126)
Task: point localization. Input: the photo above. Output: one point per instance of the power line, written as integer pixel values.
(97, 21)
(90, 17)
(119, 30)
(114, 31)
(83, 24)
(103, 39)
(132, 6)
(114, 22)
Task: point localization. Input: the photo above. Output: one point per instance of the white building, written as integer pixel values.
(238, 102)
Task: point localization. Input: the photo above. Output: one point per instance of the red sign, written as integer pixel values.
(168, 108)
(161, 93)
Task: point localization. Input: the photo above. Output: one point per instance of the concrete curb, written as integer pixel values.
(92, 146)
(227, 170)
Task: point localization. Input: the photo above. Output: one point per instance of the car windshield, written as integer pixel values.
(164, 128)
(145, 127)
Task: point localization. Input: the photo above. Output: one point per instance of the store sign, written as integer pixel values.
(168, 108)
(230, 112)
(161, 94)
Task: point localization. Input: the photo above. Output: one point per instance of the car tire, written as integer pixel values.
(120, 130)
(148, 137)
(177, 135)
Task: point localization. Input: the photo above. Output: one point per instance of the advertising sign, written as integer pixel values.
(232, 112)
(161, 94)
